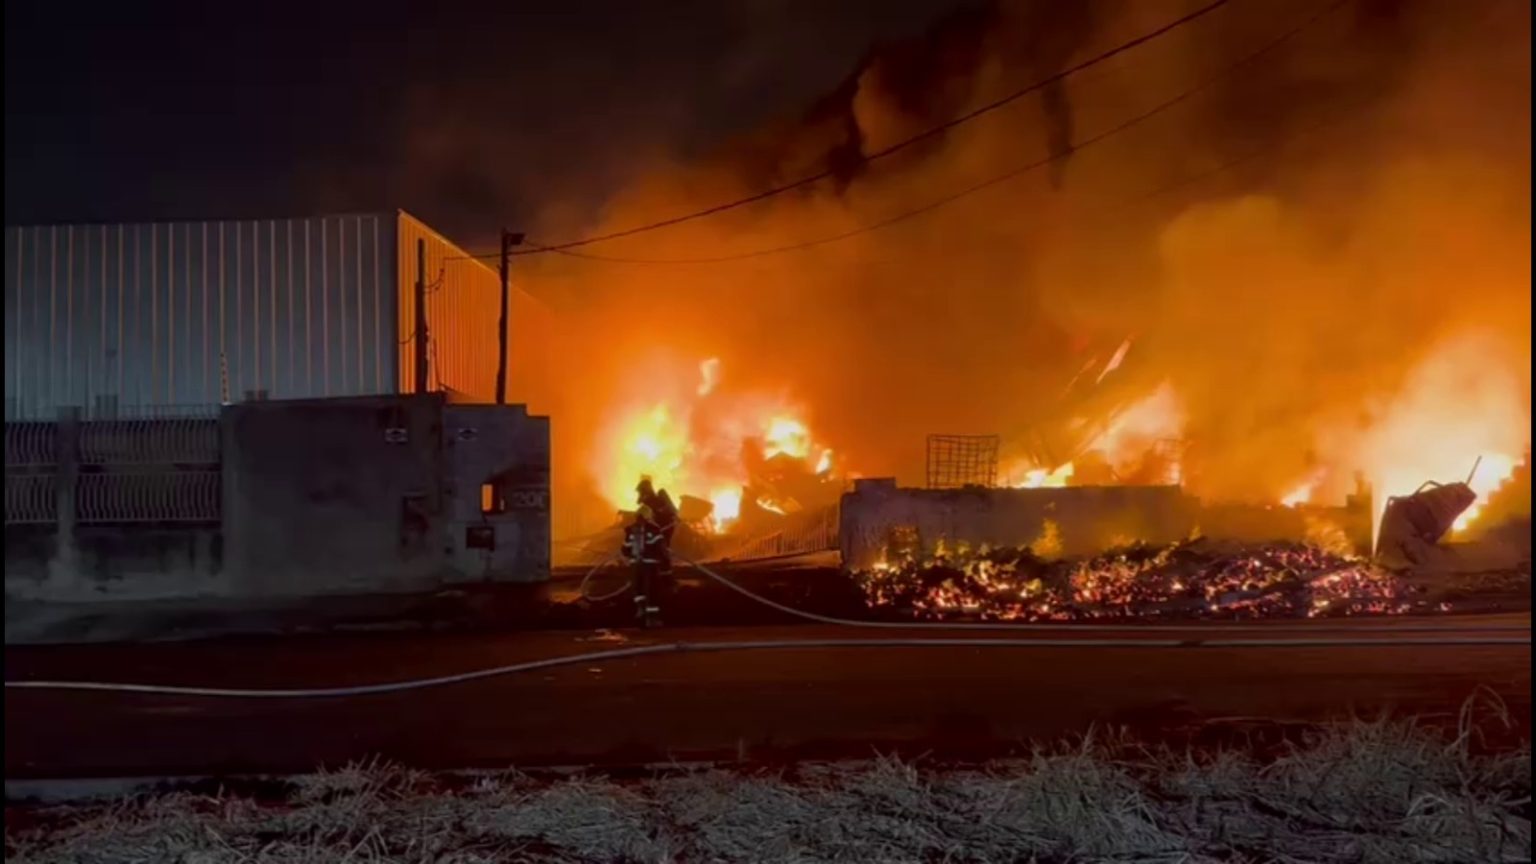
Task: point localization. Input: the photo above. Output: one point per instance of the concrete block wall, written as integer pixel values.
(498, 493)
(1086, 518)
(357, 496)
(333, 496)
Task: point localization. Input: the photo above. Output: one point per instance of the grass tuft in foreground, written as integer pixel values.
(1386, 791)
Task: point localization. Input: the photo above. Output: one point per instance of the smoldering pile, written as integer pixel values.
(1195, 579)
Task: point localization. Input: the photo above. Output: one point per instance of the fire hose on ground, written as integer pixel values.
(714, 647)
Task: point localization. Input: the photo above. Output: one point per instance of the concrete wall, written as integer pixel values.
(146, 562)
(352, 497)
(1324, 526)
(498, 474)
(334, 496)
(1087, 518)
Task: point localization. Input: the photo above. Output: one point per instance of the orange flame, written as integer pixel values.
(691, 444)
(1464, 398)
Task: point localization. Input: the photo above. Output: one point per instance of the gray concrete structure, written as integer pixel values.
(1083, 520)
(325, 498)
(1086, 519)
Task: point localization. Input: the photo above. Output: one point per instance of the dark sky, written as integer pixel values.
(469, 114)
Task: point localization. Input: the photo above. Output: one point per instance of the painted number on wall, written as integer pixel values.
(527, 499)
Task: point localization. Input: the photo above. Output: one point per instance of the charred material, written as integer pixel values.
(1412, 525)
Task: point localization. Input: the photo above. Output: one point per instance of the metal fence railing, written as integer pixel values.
(31, 473)
(117, 469)
(31, 498)
(802, 534)
(155, 495)
(31, 444)
(149, 442)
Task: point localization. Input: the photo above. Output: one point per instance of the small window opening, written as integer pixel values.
(490, 499)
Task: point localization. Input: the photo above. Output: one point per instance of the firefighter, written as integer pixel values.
(664, 513)
(645, 550)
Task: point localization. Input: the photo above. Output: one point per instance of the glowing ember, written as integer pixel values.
(1187, 580)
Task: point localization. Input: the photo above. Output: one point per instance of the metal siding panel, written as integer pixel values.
(152, 315)
(324, 346)
(462, 312)
(14, 311)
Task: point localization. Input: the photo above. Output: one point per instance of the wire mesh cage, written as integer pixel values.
(956, 461)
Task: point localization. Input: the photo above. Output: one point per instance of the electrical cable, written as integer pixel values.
(975, 187)
(888, 150)
(760, 645)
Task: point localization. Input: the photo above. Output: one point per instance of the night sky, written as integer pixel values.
(469, 114)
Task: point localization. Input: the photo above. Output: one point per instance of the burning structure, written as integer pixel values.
(1248, 287)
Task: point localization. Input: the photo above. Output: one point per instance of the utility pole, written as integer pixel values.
(508, 240)
(421, 316)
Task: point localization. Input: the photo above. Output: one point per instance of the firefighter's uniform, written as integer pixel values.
(663, 514)
(645, 548)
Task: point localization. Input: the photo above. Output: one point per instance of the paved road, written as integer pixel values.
(964, 700)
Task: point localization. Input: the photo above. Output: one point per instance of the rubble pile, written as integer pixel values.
(1191, 579)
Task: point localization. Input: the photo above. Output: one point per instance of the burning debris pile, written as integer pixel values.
(736, 460)
(1191, 579)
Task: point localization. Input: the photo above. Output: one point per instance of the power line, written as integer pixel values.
(989, 182)
(888, 150)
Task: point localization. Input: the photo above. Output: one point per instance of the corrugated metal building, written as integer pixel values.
(169, 315)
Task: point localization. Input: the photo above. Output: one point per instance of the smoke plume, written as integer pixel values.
(1324, 252)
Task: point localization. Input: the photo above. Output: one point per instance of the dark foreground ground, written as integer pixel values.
(958, 701)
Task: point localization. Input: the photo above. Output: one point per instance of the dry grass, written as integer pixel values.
(1387, 791)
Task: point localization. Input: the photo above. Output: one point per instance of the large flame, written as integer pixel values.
(700, 442)
(1139, 444)
(1309, 309)
(1460, 416)
(1462, 406)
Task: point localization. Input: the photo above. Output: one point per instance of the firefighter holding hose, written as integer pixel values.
(663, 512)
(648, 549)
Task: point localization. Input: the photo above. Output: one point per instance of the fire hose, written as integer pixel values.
(722, 647)
(808, 644)
(585, 580)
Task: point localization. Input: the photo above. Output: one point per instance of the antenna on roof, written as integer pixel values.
(1473, 472)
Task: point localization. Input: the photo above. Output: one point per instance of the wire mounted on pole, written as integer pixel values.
(890, 149)
(508, 240)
